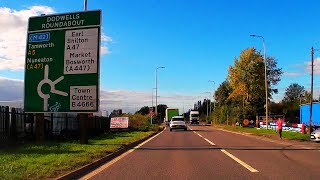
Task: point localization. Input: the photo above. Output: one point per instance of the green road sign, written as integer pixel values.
(62, 63)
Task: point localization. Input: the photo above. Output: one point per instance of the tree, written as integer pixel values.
(222, 109)
(143, 111)
(247, 81)
(161, 112)
(222, 93)
(293, 93)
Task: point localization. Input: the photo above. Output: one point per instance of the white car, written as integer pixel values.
(315, 136)
(177, 122)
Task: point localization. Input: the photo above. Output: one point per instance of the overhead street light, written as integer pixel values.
(208, 92)
(151, 106)
(161, 67)
(214, 94)
(265, 74)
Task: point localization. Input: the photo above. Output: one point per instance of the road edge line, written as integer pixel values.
(108, 164)
(82, 171)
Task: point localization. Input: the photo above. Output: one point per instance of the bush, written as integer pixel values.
(138, 122)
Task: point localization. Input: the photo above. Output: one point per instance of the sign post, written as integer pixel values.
(62, 63)
(151, 114)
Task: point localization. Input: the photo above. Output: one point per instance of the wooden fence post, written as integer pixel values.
(7, 121)
(40, 127)
(13, 125)
(83, 118)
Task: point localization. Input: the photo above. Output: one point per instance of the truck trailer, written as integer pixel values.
(170, 112)
(305, 114)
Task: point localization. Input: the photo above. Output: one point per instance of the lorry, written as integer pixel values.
(305, 114)
(194, 117)
(170, 112)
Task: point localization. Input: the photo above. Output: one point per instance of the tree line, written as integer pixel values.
(242, 94)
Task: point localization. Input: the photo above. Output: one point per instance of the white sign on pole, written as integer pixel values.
(119, 123)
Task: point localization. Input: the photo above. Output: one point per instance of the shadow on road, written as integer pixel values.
(226, 148)
(201, 130)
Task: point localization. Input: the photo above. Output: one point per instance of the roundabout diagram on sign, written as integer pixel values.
(52, 84)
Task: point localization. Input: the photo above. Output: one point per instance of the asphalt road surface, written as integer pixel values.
(203, 152)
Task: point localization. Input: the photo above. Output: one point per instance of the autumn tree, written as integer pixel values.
(247, 82)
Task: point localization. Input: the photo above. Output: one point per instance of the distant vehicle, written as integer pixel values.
(194, 117)
(315, 136)
(170, 112)
(177, 122)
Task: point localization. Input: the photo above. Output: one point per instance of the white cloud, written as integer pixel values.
(293, 74)
(105, 40)
(11, 93)
(13, 30)
(316, 66)
(10, 89)
(104, 50)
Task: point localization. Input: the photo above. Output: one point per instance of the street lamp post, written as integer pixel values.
(156, 111)
(214, 95)
(265, 74)
(151, 106)
(210, 105)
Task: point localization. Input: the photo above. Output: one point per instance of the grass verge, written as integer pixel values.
(52, 159)
(264, 132)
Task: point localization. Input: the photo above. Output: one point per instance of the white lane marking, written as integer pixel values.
(209, 141)
(251, 169)
(203, 137)
(108, 164)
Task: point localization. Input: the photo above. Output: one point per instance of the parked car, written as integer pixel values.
(177, 122)
(315, 136)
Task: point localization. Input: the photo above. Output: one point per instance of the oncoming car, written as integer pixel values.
(177, 122)
(315, 136)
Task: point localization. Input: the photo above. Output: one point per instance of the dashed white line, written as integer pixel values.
(105, 166)
(209, 141)
(247, 166)
(251, 169)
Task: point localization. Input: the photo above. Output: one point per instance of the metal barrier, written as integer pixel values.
(16, 125)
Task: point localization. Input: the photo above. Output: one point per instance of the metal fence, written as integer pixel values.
(16, 125)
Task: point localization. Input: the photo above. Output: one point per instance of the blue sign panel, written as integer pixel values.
(39, 37)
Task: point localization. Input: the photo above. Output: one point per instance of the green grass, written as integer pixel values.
(50, 160)
(264, 132)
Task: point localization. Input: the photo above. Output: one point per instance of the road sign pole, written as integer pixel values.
(85, 5)
(40, 128)
(83, 117)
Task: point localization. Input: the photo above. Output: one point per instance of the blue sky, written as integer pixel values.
(195, 40)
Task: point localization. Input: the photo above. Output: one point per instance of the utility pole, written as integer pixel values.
(311, 91)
